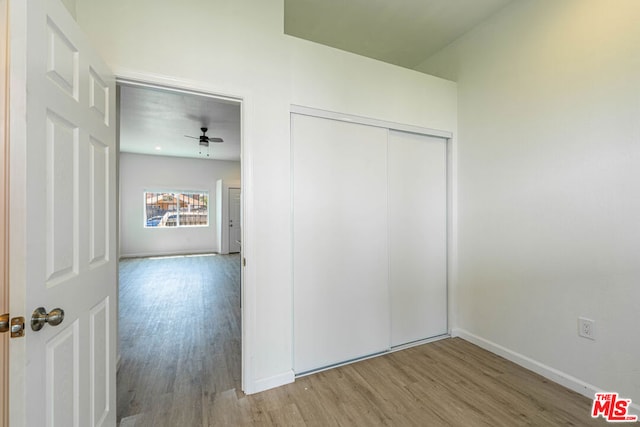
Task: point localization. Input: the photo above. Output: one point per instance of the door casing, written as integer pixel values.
(4, 200)
(174, 85)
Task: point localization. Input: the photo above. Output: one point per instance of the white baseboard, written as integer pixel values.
(559, 377)
(164, 254)
(272, 382)
(548, 372)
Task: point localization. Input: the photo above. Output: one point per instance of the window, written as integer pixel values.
(171, 209)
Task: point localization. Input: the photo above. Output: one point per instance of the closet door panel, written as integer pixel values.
(340, 262)
(417, 236)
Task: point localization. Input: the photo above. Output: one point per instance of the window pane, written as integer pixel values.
(193, 209)
(166, 209)
(156, 206)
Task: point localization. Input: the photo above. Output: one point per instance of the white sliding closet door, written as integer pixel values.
(417, 236)
(340, 263)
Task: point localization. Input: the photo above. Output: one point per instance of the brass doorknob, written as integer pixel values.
(40, 317)
(4, 322)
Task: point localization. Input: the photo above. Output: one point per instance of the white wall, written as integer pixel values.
(140, 173)
(238, 48)
(549, 184)
(334, 80)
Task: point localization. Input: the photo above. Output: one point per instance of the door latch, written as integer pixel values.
(15, 325)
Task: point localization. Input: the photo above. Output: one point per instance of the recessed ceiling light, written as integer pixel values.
(158, 148)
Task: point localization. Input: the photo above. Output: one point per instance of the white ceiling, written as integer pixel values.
(401, 32)
(154, 121)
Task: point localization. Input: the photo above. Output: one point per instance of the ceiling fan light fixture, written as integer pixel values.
(203, 139)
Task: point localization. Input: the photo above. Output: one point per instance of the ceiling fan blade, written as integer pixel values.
(216, 140)
(192, 137)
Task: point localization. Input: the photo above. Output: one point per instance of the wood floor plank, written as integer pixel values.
(180, 345)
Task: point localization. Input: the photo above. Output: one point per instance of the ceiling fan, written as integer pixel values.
(204, 140)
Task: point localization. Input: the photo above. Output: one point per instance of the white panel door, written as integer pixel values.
(341, 309)
(235, 234)
(417, 236)
(63, 203)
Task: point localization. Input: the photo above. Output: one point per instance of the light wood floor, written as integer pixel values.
(182, 369)
(179, 330)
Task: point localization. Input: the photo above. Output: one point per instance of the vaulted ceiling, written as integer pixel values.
(401, 32)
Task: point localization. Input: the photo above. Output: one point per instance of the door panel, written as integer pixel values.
(61, 214)
(99, 227)
(68, 203)
(417, 236)
(100, 357)
(62, 366)
(341, 309)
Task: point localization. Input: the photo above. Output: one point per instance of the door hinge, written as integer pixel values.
(244, 262)
(15, 325)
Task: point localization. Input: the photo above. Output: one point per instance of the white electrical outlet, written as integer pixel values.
(587, 328)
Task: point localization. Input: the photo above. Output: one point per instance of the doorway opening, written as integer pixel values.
(180, 288)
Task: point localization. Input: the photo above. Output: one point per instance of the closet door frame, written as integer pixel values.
(451, 226)
(325, 114)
